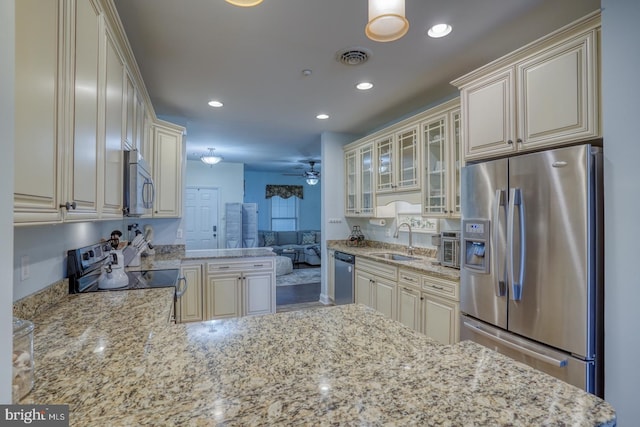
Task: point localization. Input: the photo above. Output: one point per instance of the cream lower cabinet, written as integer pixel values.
(429, 305)
(239, 287)
(441, 309)
(375, 286)
(222, 296)
(331, 269)
(190, 305)
(409, 299)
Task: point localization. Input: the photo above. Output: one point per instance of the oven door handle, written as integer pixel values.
(181, 290)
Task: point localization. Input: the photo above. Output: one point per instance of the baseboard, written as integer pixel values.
(324, 298)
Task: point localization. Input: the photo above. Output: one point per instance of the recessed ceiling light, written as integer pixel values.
(439, 30)
(364, 85)
(322, 116)
(216, 104)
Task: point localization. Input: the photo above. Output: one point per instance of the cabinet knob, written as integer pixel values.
(510, 141)
(68, 206)
(519, 140)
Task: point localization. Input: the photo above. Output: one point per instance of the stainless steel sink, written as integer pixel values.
(395, 257)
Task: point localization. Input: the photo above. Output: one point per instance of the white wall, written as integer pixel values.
(7, 67)
(332, 195)
(621, 110)
(228, 177)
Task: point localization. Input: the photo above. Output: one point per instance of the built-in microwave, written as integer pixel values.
(139, 191)
(450, 249)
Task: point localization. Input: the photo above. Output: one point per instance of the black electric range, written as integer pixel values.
(84, 268)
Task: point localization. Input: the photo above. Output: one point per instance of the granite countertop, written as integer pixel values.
(426, 262)
(174, 259)
(117, 361)
(228, 253)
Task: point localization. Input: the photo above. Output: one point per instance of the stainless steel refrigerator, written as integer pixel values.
(531, 272)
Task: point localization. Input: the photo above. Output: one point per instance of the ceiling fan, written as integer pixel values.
(312, 176)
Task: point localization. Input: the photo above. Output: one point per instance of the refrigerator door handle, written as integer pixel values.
(560, 363)
(501, 275)
(516, 199)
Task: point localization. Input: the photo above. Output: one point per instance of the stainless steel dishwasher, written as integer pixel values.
(344, 278)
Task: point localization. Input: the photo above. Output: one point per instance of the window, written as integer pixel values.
(284, 214)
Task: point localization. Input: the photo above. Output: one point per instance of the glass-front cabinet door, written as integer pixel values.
(407, 143)
(350, 161)
(359, 176)
(366, 180)
(435, 166)
(386, 158)
(456, 162)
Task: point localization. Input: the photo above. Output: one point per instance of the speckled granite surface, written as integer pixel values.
(31, 305)
(425, 264)
(117, 361)
(228, 253)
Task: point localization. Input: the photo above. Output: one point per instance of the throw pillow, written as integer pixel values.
(308, 238)
(269, 238)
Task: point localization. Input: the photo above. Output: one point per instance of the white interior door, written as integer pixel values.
(201, 218)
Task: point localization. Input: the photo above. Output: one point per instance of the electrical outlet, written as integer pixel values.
(24, 267)
(387, 233)
(179, 233)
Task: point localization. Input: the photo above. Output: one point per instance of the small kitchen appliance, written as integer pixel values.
(450, 249)
(113, 275)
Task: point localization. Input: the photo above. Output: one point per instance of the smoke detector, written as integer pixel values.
(353, 56)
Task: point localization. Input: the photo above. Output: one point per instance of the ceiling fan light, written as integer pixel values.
(312, 180)
(210, 158)
(387, 21)
(244, 3)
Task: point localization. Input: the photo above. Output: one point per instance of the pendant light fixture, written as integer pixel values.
(244, 3)
(387, 21)
(210, 158)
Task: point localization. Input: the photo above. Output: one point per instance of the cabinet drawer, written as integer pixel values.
(377, 268)
(441, 287)
(409, 279)
(239, 265)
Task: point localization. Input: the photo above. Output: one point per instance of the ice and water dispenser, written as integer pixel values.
(476, 245)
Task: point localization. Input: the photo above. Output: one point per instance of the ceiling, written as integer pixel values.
(252, 59)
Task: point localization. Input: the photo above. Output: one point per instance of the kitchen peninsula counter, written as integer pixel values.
(174, 259)
(117, 361)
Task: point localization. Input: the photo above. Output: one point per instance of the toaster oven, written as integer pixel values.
(450, 249)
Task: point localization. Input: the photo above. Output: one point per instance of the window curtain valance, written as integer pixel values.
(284, 191)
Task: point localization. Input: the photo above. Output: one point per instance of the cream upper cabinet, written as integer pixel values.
(113, 159)
(129, 101)
(167, 170)
(545, 94)
(84, 164)
(442, 159)
(397, 161)
(359, 177)
(489, 111)
(38, 148)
